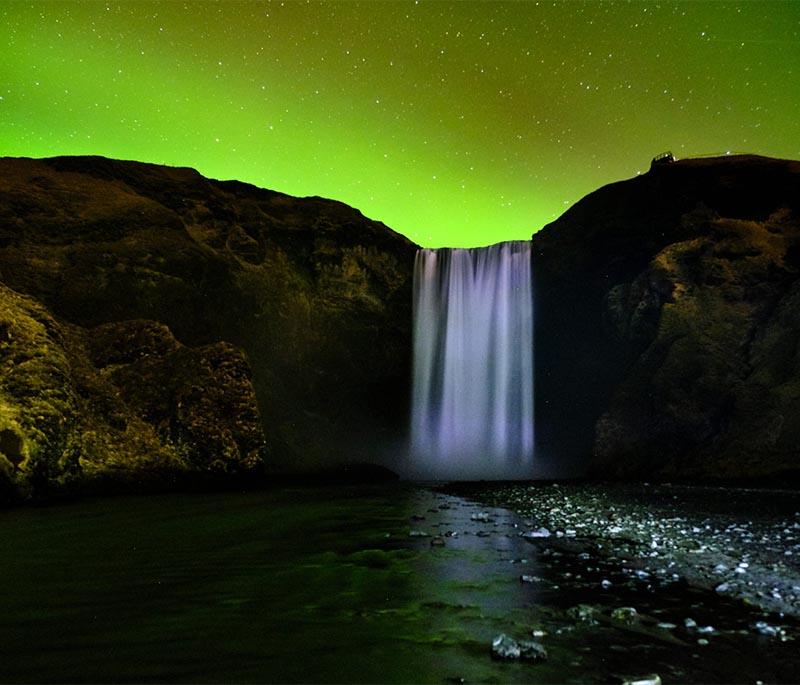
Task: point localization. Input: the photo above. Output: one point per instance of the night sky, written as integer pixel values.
(454, 123)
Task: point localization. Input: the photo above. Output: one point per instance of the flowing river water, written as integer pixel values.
(340, 584)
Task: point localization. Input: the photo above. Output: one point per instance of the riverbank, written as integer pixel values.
(343, 583)
(739, 543)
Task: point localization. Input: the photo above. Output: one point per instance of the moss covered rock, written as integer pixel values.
(318, 296)
(123, 404)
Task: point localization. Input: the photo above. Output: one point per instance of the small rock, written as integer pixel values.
(505, 647)
(480, 516)
(525, 578)
(582, 612)
(702, 642)
(532, 651)
(764, 628)
(722, 588)
(605, 584)
(650, 679)
(437, 542)
(418, 534)
(666, 626)
(539, 533)
(626, 614)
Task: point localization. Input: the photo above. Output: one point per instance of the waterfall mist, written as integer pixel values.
(472, 401)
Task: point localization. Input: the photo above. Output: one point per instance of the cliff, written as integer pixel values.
(316, 297)
(155, 323)
(667, 324)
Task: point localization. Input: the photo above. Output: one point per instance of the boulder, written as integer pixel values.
(120, 405)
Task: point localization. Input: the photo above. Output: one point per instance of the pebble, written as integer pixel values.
(532, 651)
(525, 578)
(765, 628)
(582, 612)
(627, 614)
(650, 679)
(625, 525)
(505, 647)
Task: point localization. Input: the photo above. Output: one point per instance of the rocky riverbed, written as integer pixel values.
(389, 583)
(739, 543)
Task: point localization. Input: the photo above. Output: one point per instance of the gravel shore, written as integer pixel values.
(740, 543)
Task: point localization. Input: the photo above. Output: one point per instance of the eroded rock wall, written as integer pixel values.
(667, 325)
(317, 296)
(120, 405)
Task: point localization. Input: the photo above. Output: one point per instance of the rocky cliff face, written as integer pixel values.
(317, 296)
(667, 324)
(123, 404)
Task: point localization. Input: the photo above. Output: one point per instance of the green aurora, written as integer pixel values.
(454, 123)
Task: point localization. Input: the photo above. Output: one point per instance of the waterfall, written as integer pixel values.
(472, 401)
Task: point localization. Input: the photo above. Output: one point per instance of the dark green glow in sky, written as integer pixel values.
(453, 123)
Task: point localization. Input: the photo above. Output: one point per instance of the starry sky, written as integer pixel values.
(456, 124)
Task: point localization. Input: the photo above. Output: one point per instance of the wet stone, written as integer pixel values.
(624, 614)
(525, 578)
(582, 612)
(532, 651)
(649, 679)
(505, 648)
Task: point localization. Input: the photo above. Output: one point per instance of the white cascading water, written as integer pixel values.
(472, 402)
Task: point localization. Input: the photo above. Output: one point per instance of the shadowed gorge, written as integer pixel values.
(665, 334)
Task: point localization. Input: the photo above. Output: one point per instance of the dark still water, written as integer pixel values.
(328, 585)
